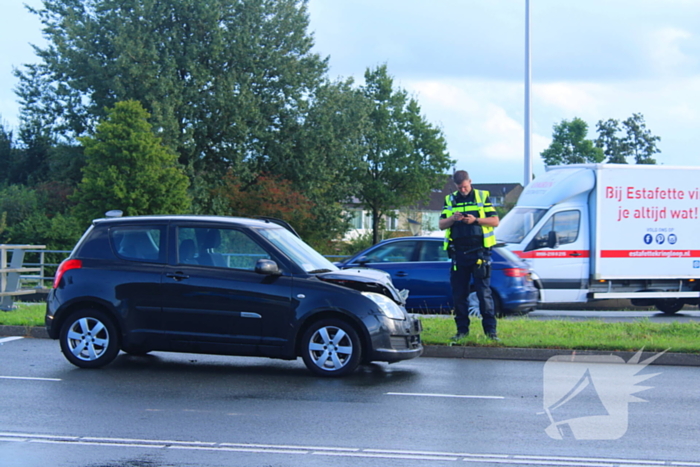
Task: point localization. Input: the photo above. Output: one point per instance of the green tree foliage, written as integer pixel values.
(6, 150)
(570, 146)
(636, 141)
(327, 146)
(222, 79)
(38, 216)
(404, 158)
(17, 202)
(128, 168)
(609, 141)
(640, 142)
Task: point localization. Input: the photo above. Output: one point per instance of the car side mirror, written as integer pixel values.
(362, 260)
(552, 239)
(267, 267)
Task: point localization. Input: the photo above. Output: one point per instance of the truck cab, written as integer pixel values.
(549, 230)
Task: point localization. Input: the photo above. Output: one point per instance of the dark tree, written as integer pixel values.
(640, 142)
(404, 155)
(570, 146)
(128, 168)
(631, 139)
(222, 79)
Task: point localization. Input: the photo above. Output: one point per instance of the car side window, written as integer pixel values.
(433, 251)
(398, 252)
(139, 243)
(225, 248)
(560, 229)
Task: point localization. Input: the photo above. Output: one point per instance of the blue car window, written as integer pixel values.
(433, 251)
(398, 252)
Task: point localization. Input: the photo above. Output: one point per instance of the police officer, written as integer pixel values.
(468, 219)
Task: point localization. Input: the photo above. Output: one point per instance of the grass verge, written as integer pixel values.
(26, 314)
(514, 332)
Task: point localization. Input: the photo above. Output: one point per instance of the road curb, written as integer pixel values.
(24, 331)
(514, 353)
(462, 351)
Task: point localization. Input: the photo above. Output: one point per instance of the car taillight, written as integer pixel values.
(516, 272)
(66, 265)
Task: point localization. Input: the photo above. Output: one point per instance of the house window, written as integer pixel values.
(392, 223)
(356, 220)
(430, 220)
(361, 219)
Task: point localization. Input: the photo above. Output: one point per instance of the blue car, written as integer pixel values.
(421, 265)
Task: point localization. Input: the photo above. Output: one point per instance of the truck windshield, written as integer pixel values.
(517, 224)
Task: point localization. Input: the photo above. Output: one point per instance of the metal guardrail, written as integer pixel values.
(11, 273)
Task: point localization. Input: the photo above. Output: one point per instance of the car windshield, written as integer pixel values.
(517, 224)
(297, 250)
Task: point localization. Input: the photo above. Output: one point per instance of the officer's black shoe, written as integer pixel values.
(494, 337)
(460, 335)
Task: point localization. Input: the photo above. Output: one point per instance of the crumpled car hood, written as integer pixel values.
(365, 280)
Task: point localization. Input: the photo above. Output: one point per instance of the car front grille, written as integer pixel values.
(405, 342)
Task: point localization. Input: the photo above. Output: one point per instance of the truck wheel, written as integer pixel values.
(331, 347)
(669, 306)
(89, 339)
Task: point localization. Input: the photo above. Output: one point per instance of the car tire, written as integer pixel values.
(670, 306)
(497, 305)
(89, 339)
(331, 347)
(137, 352)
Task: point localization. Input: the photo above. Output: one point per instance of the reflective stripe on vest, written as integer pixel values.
(479, 196)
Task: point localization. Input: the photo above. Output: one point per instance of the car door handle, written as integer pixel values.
(575, 253)
(401, 274)
(178, 276)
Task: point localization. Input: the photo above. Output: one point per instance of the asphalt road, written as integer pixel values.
(196, 410)
(687, 314)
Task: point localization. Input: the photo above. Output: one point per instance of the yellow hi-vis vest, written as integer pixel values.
(451, 207)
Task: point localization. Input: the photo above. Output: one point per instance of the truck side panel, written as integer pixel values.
(647, 224)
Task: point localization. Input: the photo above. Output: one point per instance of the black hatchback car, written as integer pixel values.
(222, 285)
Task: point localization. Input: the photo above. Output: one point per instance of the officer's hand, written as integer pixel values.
(457, 217)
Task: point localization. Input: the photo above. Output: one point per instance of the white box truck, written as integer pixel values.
(610, 231)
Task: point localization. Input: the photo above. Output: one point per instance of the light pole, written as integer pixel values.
(528, 113)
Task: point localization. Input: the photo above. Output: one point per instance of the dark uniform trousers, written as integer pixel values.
(463, 265)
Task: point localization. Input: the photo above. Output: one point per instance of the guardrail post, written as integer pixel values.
(10, 276)
(9, 282)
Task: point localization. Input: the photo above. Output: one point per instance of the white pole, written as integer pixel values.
(528, 113)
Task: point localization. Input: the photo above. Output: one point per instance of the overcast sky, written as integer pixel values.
(464, 62)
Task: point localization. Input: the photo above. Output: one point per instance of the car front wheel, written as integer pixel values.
(89, 339)
(331, 348)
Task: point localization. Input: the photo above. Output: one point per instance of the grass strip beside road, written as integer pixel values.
(594, 334)
(514, 332)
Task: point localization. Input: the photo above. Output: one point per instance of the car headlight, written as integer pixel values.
(386, 305)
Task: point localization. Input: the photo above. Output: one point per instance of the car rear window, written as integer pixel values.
(139, 243)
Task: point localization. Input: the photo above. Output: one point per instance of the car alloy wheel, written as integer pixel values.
(89, 339)
(331, 348)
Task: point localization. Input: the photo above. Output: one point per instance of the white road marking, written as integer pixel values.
(502, 459)
(28, 378)
(10, 339)
(458, 396)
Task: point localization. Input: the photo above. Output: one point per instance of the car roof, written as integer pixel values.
(238, 221)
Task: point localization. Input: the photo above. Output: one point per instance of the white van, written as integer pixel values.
(604, 231)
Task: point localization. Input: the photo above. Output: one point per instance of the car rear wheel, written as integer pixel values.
(331, 348)
(89, 339)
